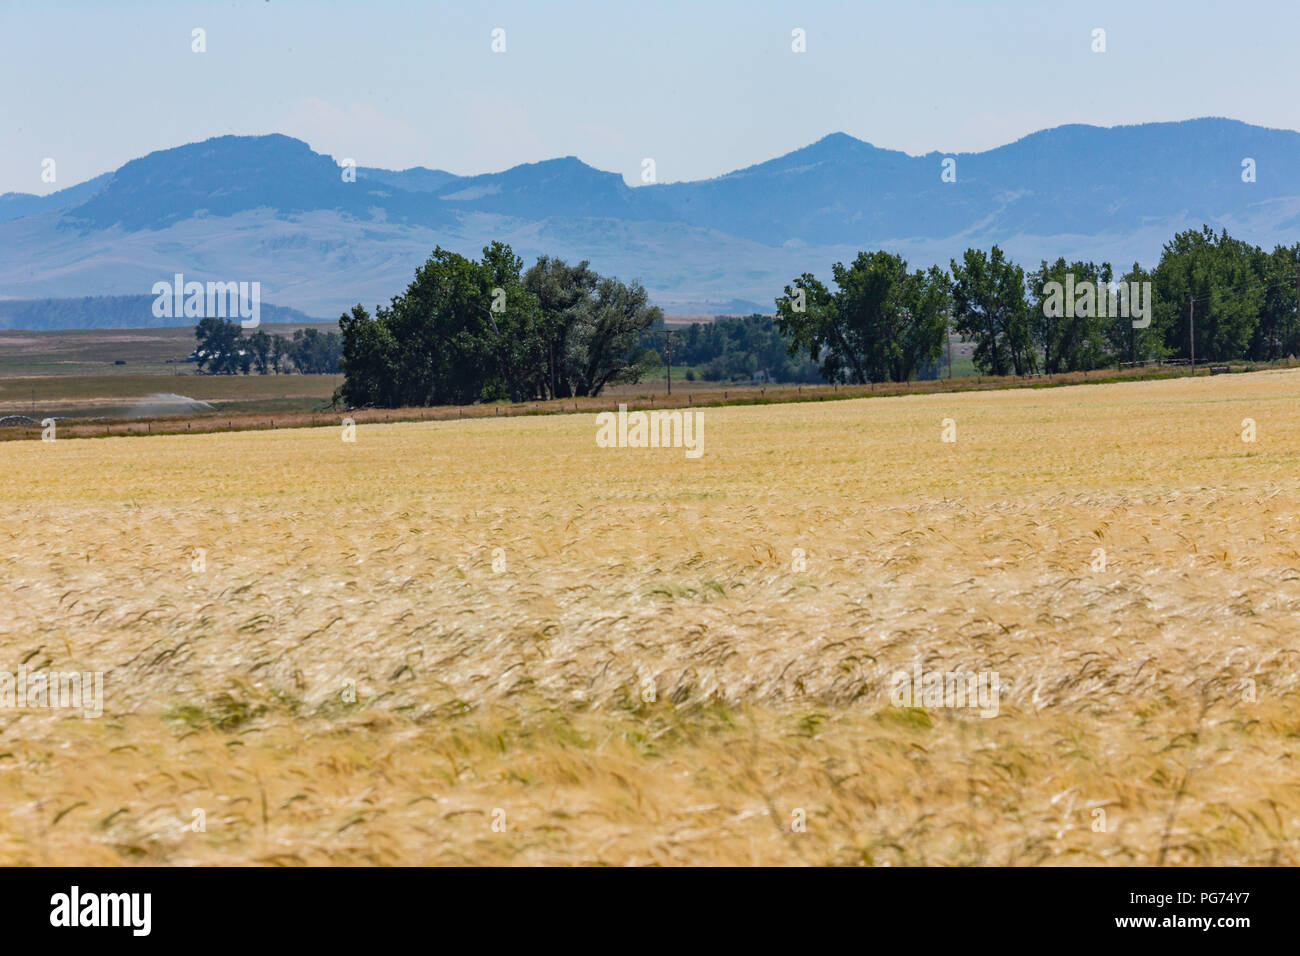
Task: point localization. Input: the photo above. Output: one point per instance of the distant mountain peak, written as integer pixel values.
(561, 165)
(241, 149)
(270, 207)
(835, 146)
(838, 140)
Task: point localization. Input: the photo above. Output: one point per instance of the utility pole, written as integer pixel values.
(1132, 346)
(668, 348)
(947, 325)
(1191, 328)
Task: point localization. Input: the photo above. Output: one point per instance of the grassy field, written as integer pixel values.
(128, 396)
(95, 352)
(492, 641)
(74, 374)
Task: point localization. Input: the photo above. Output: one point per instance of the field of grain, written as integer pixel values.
(491, 641)
(73, 374)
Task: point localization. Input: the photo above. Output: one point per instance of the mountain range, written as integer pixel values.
(270, 209)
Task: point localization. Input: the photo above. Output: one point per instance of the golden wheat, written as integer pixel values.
(616, 656)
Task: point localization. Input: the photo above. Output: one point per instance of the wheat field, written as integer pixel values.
(493, 642)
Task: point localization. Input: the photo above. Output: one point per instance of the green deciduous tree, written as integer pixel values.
(881, 324)
(1277, 335)
(260, 345)
(562, 292)
(1218, 275)
(218, 346)
(1067, 324)
(314, 352)
(466, 331)
(989, 306)
(603, 344)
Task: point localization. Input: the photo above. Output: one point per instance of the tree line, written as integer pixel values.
(484, 330)
(733, 348)
(223, 349)
(1222, 297)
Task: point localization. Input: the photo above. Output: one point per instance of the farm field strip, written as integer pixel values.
(361, 652)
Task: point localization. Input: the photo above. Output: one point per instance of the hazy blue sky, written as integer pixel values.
(702, 87)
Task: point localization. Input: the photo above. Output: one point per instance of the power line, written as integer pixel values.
(1206, 296)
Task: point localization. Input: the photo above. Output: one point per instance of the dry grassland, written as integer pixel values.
(1162, 690)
